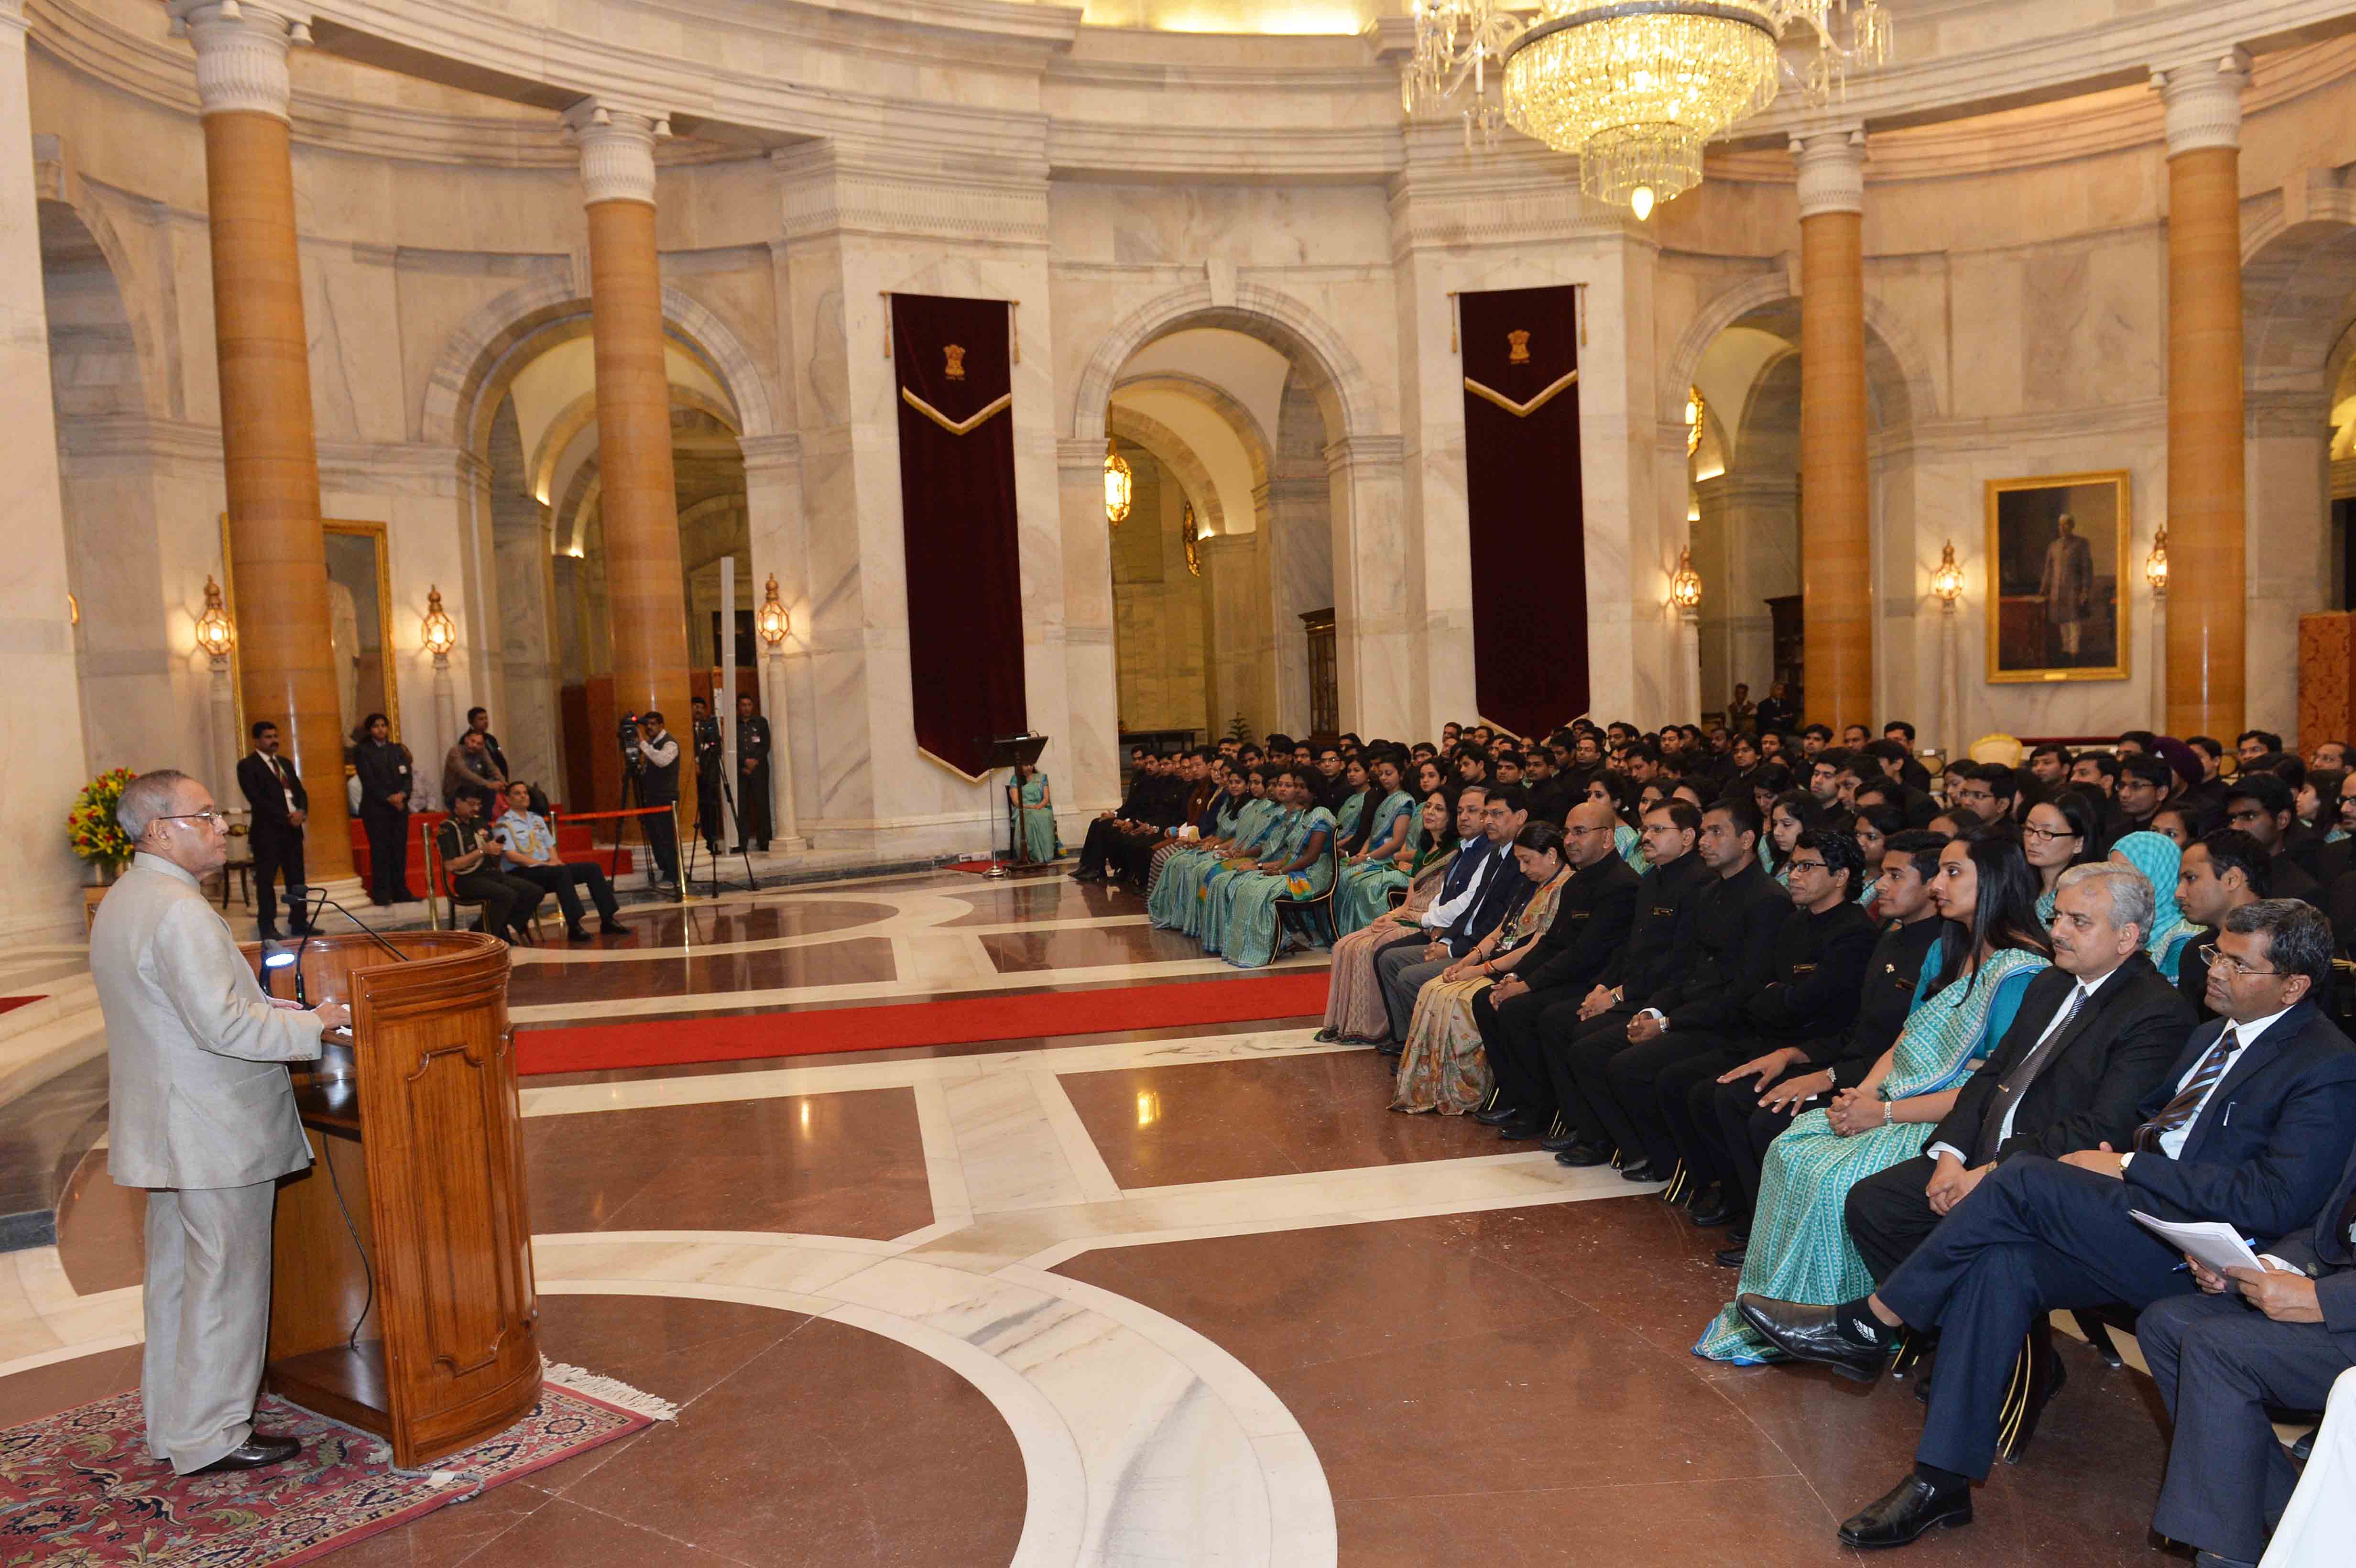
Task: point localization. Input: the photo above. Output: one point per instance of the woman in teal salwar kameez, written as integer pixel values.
(1176, 901)
(1037, 838)
(1369, 874)
(1250, 932)
(1971, 987)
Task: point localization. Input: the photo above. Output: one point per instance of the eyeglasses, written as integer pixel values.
(1799, 866)
(2238, 967)
(2047, 835)
(209, 818)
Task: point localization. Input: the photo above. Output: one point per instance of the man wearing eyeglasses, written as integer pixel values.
(200, 1113)
(2251, 1127)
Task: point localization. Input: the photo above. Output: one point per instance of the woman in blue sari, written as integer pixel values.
(1971, 987)
(1176, 903)
(2157, 858)
(1377, 863)
(1215, 820)
(1301, 867)
(1029, 793)
(1274, 838)
(1357, 799)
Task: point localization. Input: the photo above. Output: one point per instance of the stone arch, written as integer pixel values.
(1898, 372)
(492, 333)
(1175, 454)
(1324, 362)
(1241, 420)
(2297, 282)
(63, 197)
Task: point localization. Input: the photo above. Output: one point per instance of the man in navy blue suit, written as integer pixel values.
(2251, 1127)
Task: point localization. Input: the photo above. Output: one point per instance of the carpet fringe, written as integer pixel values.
(612, 1390)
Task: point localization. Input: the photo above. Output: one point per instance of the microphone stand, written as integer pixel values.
(318, 897)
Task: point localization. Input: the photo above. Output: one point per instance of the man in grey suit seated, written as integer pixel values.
(199, 1112)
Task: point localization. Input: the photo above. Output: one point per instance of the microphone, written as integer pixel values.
(277, 955)
(318, 897)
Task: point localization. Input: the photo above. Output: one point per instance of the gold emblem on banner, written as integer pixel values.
(955, 353)
(1518, 344)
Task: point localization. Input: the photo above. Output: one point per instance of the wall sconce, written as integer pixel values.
(1684, 588)
(437, 632)
(1947, 581)
(1694, 409)
(2155, 565)
(216, 634)
(1118, 484)
(772, 622)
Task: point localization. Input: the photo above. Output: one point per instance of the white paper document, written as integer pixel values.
(2216, 1244)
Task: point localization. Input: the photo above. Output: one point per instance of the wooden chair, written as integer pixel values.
(439, 891)
(1316, 910)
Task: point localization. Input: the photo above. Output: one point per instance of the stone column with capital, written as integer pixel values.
(1835, 501)
(268, 456)
(647, 607)
(2207, 620)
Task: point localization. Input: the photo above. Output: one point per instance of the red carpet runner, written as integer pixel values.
(666, 1043)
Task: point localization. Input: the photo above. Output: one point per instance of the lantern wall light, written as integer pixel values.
(216, 634)
(2155, 565)
(1947, 580)
(437, 632)
(1684, 588)
(1118, 484)
(774, 624)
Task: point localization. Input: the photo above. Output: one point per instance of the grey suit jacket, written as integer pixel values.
(195, 1095)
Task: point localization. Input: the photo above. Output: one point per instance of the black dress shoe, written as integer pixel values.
(1559, 1143)
(1518, 1132)
(1580, 1154)
(1710, 1215)
(1497, 1116)
(611, 926)
(1813, 1334)
(576, 933)
(1734, 1256)
(262, 1448)
(1903, 1514)
(1640, 1171)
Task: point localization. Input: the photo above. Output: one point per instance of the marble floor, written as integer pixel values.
(1166, 1296)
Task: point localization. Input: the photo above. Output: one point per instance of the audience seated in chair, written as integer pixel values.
(528, 850)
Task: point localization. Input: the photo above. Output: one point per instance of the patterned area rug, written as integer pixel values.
(78, 1489)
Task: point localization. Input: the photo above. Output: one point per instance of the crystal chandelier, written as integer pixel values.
(1634, 87)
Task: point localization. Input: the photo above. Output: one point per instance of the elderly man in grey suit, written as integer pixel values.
(201, 1114)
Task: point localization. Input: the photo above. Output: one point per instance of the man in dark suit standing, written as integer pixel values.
(2222, 1357)
(280, 806)
(2093, 1037)
(751, 776)
(2250, 1127)
(1590, 921)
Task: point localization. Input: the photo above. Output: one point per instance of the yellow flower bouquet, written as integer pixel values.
(90, 828)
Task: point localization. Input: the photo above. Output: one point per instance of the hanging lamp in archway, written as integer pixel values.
(1118, 484)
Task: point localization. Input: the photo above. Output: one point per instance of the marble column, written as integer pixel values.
(645, 604)
(2206, 500)
(41, 696)
(268, 456)
(1835, 513)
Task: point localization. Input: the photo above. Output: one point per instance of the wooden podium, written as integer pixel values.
(401, 1297)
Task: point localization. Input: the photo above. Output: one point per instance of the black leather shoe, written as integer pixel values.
(1711, 1210)
(611, 926)
(1905, 1513)
(576, 933)
(261, 1450)
(1580, 1154)
(1813, 1334)
(1734, 1256)
(1518, 1132)
(1497, 1116)
(1640, 1171)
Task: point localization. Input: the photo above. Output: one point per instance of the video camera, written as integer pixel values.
(707, 737)
(631, 755)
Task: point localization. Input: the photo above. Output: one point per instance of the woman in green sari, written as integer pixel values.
(1037, 815)
(1176, 901)
(1301, 868)
(1357, 799)
(1384, 858)
(1971, 987)
(1277, 843)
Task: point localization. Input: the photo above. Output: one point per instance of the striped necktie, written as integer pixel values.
(2179, 1112)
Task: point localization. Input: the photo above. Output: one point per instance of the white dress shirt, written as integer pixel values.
(661, 752)
(2086, 989)
(2172, 1142)
(1442, 915)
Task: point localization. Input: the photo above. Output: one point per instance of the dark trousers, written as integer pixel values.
(2219, 1363)
(561, 880)
(1739, 1131)
(1576, 1054)
(1097, 845)
(387, 842)
(662, 840)
(278, 852)
(710, 812)
(1634, 1076)
(1131, 854)
(2036, 1236)
(508, 901)
(1889, 1215)
(1511, 1037)
(1683, 1093)
(752, 806)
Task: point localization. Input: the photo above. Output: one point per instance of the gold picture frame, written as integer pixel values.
(360, 561)
(2059, 597)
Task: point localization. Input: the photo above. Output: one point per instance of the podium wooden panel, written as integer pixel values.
(401, 1288)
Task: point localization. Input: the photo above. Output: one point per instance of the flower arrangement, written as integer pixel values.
(90, 827)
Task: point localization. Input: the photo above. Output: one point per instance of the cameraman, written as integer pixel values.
(658, 785)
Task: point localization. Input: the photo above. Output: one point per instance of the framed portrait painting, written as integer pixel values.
(2057, 551)
(359, 623)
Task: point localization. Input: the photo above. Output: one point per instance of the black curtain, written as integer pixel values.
(1522, 492)
(957, 513)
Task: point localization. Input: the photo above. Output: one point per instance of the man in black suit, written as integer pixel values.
(1735, 917)
(2220, 872)
(752, 789)
(280, 806)
(1816, 977)
(2222, 1357)
(2092, 1039)
(1590, 921)
(2260, 804)
(2250, 1127)
(1405, 969)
